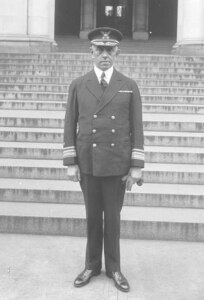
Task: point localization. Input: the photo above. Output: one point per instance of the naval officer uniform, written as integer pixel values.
(103, 136)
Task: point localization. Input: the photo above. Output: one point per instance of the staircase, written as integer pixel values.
(35, 196)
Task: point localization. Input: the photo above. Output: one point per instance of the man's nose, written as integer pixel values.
(105, 53)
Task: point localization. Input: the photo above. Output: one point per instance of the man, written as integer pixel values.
(103, 149)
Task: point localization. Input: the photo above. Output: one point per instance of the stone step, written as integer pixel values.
(70, 56)
(86, 56)
(61, 106)
(55, 119)
(33, 88)
(53, 169)
(66, 57)
(174, 139)
(171, 99)
(43, 105)
(11, 95)
(147, 98)
(175, 82)
(153, 154)
(152, 138)
(87, 60)
(55, 63)
(172, 108)
(82, 67)
(181, 155)
(66, 76)
(43, 135)
(136, 222)
(63, 191)
(189, 91)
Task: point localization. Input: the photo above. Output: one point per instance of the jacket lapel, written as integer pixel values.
(93, 85)
(114, 86)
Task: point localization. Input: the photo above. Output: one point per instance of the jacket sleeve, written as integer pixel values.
(136, 124)
(70, 127)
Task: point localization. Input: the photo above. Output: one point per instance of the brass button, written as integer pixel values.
(113, 130)
(113, 117)
(94, 130)
(112, 145)
(94, 145)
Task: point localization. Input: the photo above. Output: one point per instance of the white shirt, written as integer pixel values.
(108, 74)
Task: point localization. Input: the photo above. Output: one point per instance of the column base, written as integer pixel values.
(140, 35)
(188, 49)
(26, 45)
(84, 34)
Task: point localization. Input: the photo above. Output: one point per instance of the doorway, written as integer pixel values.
(116, 14)
(163, 18)
(67, 17)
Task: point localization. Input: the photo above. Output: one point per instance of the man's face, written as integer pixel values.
(104, 56)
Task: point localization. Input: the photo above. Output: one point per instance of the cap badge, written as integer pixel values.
(105, 35)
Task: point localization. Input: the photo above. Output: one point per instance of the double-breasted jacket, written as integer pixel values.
(103, 130)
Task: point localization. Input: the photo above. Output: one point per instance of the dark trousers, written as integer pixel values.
(103, 196)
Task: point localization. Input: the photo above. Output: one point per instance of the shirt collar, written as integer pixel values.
(108, 73)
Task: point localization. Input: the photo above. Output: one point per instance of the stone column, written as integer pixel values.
(27, 25)
(88, 17)
(190, 28)
(41, 19)
(140, 20)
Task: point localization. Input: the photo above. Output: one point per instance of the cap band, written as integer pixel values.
(99, 42)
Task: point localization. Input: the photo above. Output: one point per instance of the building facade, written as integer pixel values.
(34, 24)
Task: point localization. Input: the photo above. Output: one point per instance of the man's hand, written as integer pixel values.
(73, 173)
(134, 176)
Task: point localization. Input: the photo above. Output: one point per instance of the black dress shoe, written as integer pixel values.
(84, 277)
(120, 281)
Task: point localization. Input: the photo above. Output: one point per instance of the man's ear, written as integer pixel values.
(118, 52)
(92, 51)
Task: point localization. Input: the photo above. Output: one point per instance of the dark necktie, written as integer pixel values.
(104, 83)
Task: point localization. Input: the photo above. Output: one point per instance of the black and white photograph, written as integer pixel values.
(101, 149)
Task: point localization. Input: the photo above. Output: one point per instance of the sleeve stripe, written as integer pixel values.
(138, 154)
(138, 150)
(69, 148)
(69, 152)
